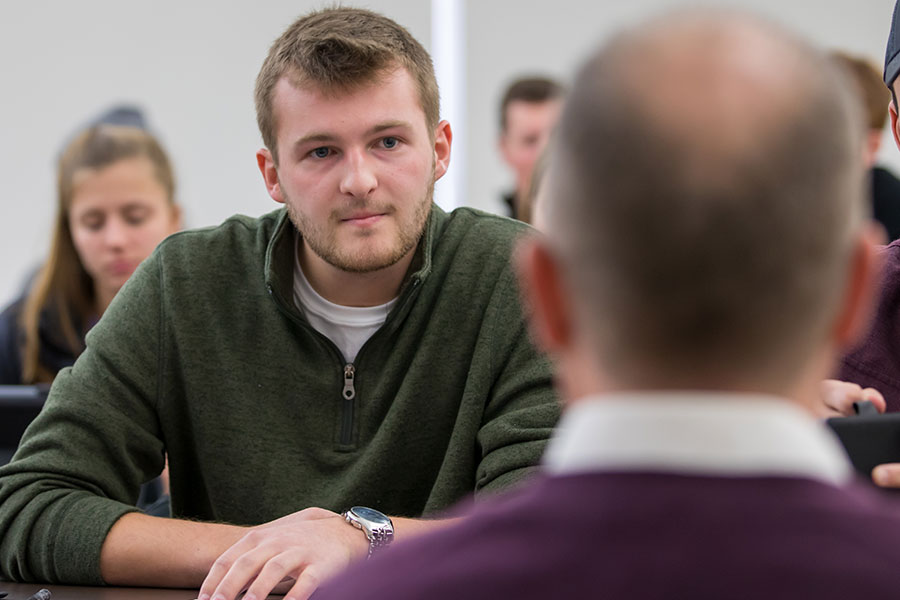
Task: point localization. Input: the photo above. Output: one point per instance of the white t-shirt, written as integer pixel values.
(347, 326)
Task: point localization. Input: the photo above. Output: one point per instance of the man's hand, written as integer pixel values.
(838, 398)
(302, 550)
(887, 475)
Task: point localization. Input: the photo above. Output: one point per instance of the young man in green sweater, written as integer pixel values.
(360, 348)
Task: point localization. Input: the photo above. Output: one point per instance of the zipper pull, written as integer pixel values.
(349, 392)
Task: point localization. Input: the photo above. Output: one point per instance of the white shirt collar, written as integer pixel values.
(308, 300)
(699, 433)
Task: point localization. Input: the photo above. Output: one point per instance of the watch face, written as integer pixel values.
(368, 514)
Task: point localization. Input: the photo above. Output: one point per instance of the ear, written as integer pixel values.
(862, 287)
(892, 110)
(503, 147)
(543, 294)
(177, 218)
(443, 138)
(873, 145)
(269, 171)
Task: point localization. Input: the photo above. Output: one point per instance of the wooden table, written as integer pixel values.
(21, 591)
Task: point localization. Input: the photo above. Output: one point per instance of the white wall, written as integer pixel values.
(191, 65)
(506, 40)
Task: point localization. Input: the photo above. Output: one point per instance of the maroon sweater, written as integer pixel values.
(640, 536)
(875, 362)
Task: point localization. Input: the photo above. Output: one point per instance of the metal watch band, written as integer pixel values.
(378, 535)
(379, 538)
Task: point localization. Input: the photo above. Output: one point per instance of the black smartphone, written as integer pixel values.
(870, 440)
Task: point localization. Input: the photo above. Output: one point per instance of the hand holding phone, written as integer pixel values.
(872, 441)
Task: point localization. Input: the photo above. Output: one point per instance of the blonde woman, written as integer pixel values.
(115, 204)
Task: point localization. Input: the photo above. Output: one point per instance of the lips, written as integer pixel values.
(121, 267)
(365, 218)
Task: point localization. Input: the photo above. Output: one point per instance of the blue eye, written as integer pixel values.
(390, 142)
(321, 152)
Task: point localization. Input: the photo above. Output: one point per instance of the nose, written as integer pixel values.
(115, 234)
(358, 179)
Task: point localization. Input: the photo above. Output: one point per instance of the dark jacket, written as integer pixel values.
(55, 352)
(886, 201)
(875, 362)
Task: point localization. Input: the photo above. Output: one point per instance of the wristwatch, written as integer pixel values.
(376, 525)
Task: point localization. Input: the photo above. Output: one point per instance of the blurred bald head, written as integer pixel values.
(702, 199)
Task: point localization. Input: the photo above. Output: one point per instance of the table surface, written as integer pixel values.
(21, 591)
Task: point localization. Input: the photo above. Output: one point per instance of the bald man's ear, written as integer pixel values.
(862, 287)
(544, 296)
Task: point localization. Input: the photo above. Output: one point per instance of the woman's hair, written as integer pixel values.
(62, 285)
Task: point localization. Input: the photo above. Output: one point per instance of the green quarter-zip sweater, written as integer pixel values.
(203, 356)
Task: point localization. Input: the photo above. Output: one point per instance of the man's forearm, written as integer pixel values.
(304, 548)
(152, 551)
(405, 528)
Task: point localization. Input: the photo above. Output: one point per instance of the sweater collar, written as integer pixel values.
(279, 262)
(703, 433)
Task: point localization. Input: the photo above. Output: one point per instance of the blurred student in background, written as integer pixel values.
(525, 208)
(528, 113)
(115, 203)
(875, 98)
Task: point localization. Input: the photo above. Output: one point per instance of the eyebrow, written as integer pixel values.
(326, 137)
(389, 125)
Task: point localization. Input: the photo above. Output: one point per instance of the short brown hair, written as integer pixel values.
(338, 49)
(705, 232)
(874, 94)
(529, 89)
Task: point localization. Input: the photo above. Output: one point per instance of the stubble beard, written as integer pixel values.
(323, 242)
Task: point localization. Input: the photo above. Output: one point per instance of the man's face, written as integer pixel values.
(356, 170)
(528, 128)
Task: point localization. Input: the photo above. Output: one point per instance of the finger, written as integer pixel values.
(307, 583)
(250, 542)
(840, 395)
(212, 579)
(887, 475)
(231, 575)
(875, 397)
(221, 566)
(277, 569)
(244, 573)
